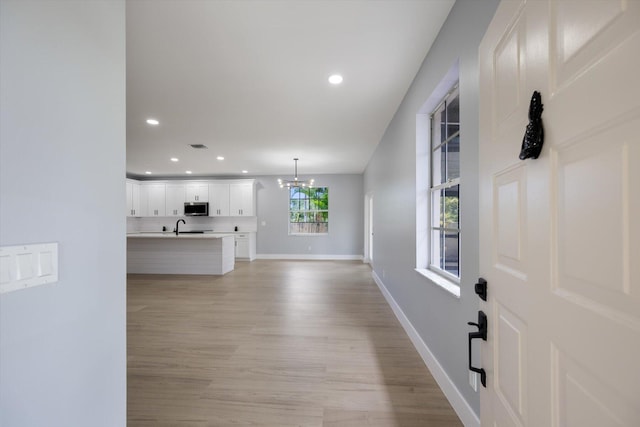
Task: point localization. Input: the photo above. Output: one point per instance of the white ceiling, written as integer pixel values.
(248, 79)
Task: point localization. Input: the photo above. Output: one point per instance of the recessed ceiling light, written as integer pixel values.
(153, 122)
(174, 159)
(245, 171)
(220, 158)
(148, 172)
(188, 172)
(335, 79)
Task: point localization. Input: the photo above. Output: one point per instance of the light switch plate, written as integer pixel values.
(25, 266)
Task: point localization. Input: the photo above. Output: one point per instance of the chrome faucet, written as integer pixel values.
(178, 223)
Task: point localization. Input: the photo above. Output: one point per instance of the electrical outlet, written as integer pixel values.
(473, 380)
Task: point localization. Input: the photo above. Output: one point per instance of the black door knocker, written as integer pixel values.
(534, 134)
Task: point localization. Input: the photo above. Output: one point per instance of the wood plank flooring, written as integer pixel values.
(274, 343)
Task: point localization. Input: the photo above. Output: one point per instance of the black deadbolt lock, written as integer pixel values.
(481, 289)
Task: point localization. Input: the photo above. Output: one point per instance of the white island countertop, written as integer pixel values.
(171, 235)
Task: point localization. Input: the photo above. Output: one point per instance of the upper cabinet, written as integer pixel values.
(175, 197)
(219, 199)
(152, 199)
(197, 192)
(242, 199)
(167, 198)
(133, 198)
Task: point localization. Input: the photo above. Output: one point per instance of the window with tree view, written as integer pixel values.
(308, 210)
(445, 187)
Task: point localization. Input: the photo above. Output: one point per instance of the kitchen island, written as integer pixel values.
(168, 253)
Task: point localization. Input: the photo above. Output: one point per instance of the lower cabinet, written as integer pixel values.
(246, 246)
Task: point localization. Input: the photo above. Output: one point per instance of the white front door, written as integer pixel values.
(560, 235)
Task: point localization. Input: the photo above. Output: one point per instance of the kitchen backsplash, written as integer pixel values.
(219, 224)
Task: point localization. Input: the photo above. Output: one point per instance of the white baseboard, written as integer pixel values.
(311, 257)
(468, 417)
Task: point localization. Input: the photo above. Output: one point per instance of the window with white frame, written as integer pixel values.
(444, 257)
(308, 210)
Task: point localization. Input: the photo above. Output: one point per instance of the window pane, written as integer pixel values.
(443, 125)
(450, 207)
(436, 130)
(323, 198)
(304, 204)
(451, 259)
(445, 251)
(437, 246)
(453, 158)
(453, 116)
(322, 216)
(445, 207)
(439, 165)
(437, 209)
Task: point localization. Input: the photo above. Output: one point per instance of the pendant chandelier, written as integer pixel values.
(295, 182)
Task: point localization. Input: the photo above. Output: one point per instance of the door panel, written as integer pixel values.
(582, 399)
(585, 30)
(602, 273)
(560, 236)
(510, 210)
(509, 104)
(511, 339)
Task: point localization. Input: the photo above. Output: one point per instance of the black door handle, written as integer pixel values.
(482, 333)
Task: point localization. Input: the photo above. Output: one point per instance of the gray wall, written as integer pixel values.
(62, 169)
(439, 318)
(346, 219)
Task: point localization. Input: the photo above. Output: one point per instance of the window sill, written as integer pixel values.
(449, 286)
(308, 234)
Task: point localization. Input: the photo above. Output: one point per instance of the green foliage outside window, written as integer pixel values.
(308, 210)
(451, 212)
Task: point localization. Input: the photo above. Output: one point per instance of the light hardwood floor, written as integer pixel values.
(274, 343)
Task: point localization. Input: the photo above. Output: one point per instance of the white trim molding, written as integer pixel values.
(327, 257)
(466, 414)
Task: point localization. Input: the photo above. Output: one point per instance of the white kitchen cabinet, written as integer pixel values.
(175, 197)
(242, 199)
(219, 199)
(225, 197)
(152, 199)
(197, 192)
(245, 246)
(133, 198)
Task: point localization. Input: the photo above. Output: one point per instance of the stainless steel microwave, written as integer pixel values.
(196, 209)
